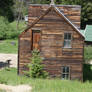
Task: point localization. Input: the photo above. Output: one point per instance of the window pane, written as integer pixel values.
(69, 36)
(65, 72)
(67, 40)
(67, 43)
(67, 76)
(65, 36)
(67, 69)
(63, 69)
(63, 76)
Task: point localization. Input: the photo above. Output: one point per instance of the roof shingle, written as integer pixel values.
(88, 33)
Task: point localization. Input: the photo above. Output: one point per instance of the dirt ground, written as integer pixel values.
(8, 57)
(13, 63)
(19, 88)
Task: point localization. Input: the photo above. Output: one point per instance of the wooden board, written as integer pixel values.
(52, 28)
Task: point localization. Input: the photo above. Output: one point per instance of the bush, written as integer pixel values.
(12, 34)
(3, 28)
(6, 30)
(88, 53)
(35, 67)
(87, 72)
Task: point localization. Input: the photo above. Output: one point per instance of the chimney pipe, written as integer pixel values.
(52, 2)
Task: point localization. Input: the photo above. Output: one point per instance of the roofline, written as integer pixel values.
(36, 20)
(69, 21)
(60, 13)
(88, 25)
(87, 41)
(55, 5)
(85, 30)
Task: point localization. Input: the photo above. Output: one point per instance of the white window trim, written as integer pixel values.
(66, 73)
(68, 40)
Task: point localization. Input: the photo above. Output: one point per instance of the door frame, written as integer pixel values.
(33, 31)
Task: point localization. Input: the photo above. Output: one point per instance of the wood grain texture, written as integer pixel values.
(71, 12)
(52, 28)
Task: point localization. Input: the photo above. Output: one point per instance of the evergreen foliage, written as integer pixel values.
(36, 69)
(86, 9)
(6, 30)
(6, 9)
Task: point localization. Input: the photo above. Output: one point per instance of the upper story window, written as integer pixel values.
(67, 40)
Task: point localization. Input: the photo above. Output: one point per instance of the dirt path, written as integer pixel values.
(19, 88)
(12, 57)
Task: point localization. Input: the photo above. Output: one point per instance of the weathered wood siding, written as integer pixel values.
(71, 12)
(52, 28)
(24, 53)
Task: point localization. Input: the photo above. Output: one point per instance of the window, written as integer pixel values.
(67, 40)
(65, 72)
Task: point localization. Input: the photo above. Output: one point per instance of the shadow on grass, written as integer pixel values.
(87, 72)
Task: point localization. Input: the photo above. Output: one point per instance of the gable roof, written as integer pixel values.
(60, 14)
(88, 33)
(82, 32)
(69, 22)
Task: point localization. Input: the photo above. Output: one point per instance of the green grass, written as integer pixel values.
(88, 53)
(2, 91)
(10, 77)
(6, 46)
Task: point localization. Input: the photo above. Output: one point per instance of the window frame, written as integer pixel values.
(67, 39)
(65, 73)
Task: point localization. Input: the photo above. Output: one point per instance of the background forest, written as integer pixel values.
(12, 8)
(12, 13)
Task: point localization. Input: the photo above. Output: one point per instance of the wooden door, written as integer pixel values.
(36, 39)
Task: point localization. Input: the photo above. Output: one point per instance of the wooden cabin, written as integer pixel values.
(55, 31)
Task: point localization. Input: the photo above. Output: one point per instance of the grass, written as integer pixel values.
(10, 77)
(2, 91)
(5, 45)
(9, 46)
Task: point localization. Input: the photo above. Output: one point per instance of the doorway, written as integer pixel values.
(36, 36)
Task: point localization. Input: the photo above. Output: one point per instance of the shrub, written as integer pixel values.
(6, 30)
(87, 72)
(12, 34)
(3, 27)
(88, 53)
(35, 67)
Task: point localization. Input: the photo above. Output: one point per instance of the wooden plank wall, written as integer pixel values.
(24, 51)
(71, 12)
(52, 28)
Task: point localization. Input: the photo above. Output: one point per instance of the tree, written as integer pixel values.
(36, 69)
(40, 1)
(6, 9)
(86, 11)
